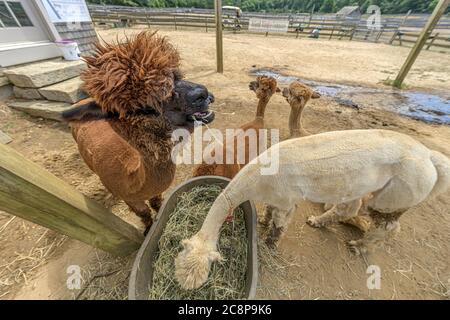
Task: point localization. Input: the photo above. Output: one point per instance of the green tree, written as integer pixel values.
(327, 6)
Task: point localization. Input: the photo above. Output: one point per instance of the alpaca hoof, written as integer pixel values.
(356, 247)
(360, 223)
(263, 222)
(271, 243)
(156, 203)
(147, 227)
(313, 222)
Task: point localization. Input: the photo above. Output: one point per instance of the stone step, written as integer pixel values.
(27, 93)
(43, 109)
(4, 81)
(67, 91)
(44, 73)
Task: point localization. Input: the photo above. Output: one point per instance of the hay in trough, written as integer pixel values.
(227, 279)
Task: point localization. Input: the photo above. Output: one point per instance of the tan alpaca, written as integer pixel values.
(298, 95)
(264, 88)
(339, 167)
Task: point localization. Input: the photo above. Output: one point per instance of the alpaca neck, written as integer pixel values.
(261, 108)
(221, 208)
(295, 120)
(149, 135)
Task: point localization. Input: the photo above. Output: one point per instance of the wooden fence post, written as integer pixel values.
(219, 38)
(432, 40)
(147, 19)
(332, 32)
(32, 193)
(380, 33)
(432, 21)
(352, 33)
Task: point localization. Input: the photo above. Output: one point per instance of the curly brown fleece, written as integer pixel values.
(126, 77)
(128, 145)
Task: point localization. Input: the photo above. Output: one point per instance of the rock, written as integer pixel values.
(44, 109)
(4, 81)
(67, 91)
(6, 92)
(4, 138)
(41, 74)
(27, 93)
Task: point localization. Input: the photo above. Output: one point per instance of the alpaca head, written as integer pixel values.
(298, 94)
(264, 87)
(142, 75)
(192, 265)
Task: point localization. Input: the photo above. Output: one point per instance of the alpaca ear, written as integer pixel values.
(214, 256)
(316, 95)
(277, 90)
(286, 92)
(84, 109)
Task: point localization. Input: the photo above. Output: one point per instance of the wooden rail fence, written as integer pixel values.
(394, 30)
(32, 193)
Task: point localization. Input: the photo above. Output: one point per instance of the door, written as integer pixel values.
(23, 35)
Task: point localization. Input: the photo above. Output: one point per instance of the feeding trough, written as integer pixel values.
(142, 271)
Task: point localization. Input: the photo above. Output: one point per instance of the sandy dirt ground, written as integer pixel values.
(318, 265)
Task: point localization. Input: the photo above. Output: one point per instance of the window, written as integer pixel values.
(6, 16)
(13, 14)
(19, 12)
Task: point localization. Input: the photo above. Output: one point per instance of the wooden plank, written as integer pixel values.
(219, 39)
(32, 193)
(432, 21)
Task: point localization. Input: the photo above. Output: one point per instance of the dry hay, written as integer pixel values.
(227, 279)
(23, 265)
(106, 278)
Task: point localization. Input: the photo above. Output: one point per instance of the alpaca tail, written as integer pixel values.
(442, 165)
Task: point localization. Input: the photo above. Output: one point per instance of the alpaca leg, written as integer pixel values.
(338, 213)
(359, 222)
(267, 218)
(385, 225)
(141, 209)
(280, 220)
(156, 202)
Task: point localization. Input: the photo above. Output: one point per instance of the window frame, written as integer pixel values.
(18, 24)
(8, 3)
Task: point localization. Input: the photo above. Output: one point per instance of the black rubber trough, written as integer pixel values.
(142, 271)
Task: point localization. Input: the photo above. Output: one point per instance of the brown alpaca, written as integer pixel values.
(123, 131)
(298, 95)
(264, 87)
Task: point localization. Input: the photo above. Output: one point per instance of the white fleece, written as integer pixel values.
(332, 167)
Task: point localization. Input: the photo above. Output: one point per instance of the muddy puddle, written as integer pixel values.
(414, 104)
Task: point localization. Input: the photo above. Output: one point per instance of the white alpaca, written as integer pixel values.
(339, 168)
